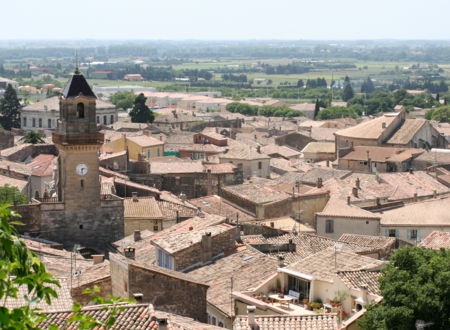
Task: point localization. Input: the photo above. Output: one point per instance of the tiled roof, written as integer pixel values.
(257, 193)
(169, 210)
(433, 212)
(321, 265)
(303, 106)
(197, 147)
(380, 242)
(436, 240)
(77, 85)
(306, 244)
(435, 156)
(358, 278)
(282, 164)
(407, 131)
(178, 242)
(322, 134)
(52, 104)
(176, 167)
(246, 153)
(19, 184)
(145, 141)
(327, 147)
(281, 150)
(240, 271)
(282, 322)
(311, 176)
(220, 168)
(15, 167)
(63, 302)
(338, 208)
(217, 205)
(142, 208)
(287, 223)
(43, 165)
(382, 154)
(262, 138)
(371, 129)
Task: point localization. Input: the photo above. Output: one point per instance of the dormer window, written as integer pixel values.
(80, 110)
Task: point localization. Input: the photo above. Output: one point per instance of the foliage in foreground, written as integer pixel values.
(33, 138)
(441, 114)
(415, 286)
(20, 267)
(12, 195)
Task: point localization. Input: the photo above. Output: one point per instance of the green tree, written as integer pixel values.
(441, 114)
(347, 93)
(367, 86)
(20, 267)
(415, 286)
(300, 83)
(123, 100)
(140, 112)
(33, 137)
(9, 109)
(12, 195)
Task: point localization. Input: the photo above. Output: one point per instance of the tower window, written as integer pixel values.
(80, 110)
(82, 183)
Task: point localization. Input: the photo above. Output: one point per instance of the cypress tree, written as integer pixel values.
(140, 112)
(347, 93)
(9, 109)
(316, 109)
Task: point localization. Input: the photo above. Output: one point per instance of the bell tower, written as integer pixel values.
(78, 141)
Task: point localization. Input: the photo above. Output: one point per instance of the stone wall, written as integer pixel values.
(168, 293)
(93, 228)
(229, 123)
(203, 251)
(258, 229)
(305, 206)
(6, 139)
(294, 140)
(32, 151)
(104, 284)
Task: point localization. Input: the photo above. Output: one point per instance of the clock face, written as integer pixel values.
(82, 169)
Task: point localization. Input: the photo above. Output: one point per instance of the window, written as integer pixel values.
(80, 110)
(36, 194)
(155, 228)
(149, 153)
(412, 234)
(164, 259)
(40, 122)
(213, 320)
(158, 152)
(259, 165)
(363, 163)
(220, 324)
(112, 119)
(98, 119)
(24, 121)
(34, 122)
(391, 233)
(49, 123)
(105, 120)
(329, 226)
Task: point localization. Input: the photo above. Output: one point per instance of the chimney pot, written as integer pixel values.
(358, 183)
(383, 125)
(138, 296)
(434, 193)
(272, 224)
(191, 228)
(97, 258)
(281, 261)
(355, 192)
(137, 235)
(129, 252)
(348, 200)
(319, 182)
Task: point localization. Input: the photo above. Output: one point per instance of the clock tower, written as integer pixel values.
(78, 141)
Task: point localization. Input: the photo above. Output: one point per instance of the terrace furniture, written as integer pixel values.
(282, 300)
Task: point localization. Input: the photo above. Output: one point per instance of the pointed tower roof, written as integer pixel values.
(77, 85)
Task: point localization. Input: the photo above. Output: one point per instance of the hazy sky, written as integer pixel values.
(225, 19)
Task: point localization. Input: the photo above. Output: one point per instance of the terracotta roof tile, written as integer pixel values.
(436, 240)
(356, 279)
(282, 322)
(407, 131)
(142, 208)
(380, 242)
(371, 129)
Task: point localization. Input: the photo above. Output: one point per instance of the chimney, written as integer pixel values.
(137, 235)
(348, 200)
(251, 316)
(378, 201)
(355, 192)
(217, 129)
(415, 197)
(328, 163)
(364, 290)
(8, 169)
(129, 252)
(134, 195)
(358, 183)
(319, 183)
(191, 228)
(411, 171)
(281, 263)
(272, 224)
(98, 258)
(206, 247)
(255, 137)
(434, 193)
(160, 137)
(383, 125)
(258, 149)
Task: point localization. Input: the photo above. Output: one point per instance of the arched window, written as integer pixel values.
(80, 110)
(36, 195)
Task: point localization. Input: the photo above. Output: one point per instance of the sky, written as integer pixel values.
(225, 19)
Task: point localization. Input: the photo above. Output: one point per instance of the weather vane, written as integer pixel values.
(77, 71)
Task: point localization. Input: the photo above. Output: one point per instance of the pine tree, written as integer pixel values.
(300, 83)
(9, 109)
(316, 109)
(347, 93)
(140, 112)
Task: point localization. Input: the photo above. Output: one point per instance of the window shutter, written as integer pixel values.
(386, 232)
(396, 233)
(418, 235)
(409, 232)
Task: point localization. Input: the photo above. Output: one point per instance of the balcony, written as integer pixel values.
(93, 138)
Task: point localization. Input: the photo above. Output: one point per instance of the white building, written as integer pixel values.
(45, 114)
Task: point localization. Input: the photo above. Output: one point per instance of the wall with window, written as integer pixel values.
(334, 227)
(411, 234)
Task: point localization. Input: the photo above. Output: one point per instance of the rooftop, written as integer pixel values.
(240, 271)
(326, 147)
(142, 208)
(433, 212)
(282, 322)
(76, 86)
(371, 129)
(176, 167)
(407, 131)
(380, 242)
(283, 151)
(245, 153)
(43, 165)
(436, 240)
(321, 265)
(381, 154)
(355, 279)
(52, 104)
(257, 192)
(217, 205)
(145, 141)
